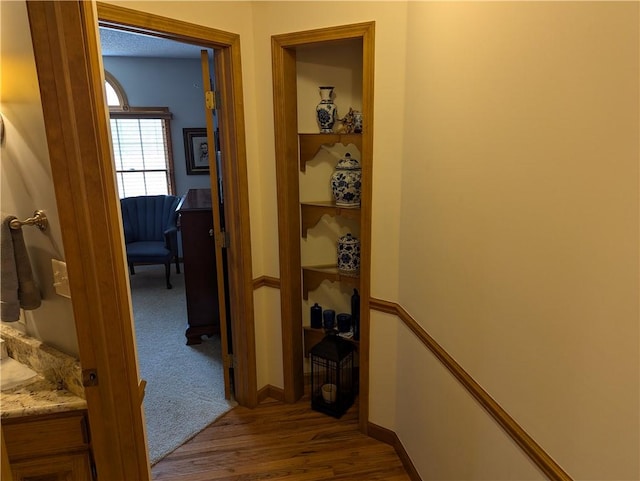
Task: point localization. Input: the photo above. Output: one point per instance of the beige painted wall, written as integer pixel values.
(26, 180)
(521, 151)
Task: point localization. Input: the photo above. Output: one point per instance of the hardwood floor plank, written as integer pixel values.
(287, 442)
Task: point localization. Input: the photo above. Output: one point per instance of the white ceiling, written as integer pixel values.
(118, 43)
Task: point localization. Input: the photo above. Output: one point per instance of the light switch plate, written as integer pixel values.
(60, 279)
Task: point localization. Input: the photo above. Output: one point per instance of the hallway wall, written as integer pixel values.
(26, 180)
(522, 259)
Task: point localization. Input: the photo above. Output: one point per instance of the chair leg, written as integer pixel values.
(167, 270)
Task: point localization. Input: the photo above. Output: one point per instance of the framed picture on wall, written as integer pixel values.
(196, 150)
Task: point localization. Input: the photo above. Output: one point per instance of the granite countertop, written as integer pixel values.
(56, 388)
(38, 397)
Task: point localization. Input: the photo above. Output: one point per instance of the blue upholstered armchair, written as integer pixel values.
(150, 232)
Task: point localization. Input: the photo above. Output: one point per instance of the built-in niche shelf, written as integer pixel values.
(310, 144)
(313, 276)
(312, 212)
(300, 61)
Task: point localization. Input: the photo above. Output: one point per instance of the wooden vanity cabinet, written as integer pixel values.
(49, 447)
(199, 255)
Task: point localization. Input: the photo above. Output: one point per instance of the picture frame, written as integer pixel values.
(196, 151)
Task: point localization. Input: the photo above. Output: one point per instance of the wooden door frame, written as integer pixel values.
(70, 74)
(283, 51)
(232, 140)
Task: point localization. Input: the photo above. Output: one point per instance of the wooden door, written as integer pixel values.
(217, 202)
(70, 74)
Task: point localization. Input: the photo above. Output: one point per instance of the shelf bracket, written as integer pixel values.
(310, 144)
(312, 212)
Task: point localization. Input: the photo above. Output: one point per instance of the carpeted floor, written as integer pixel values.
(185, 384)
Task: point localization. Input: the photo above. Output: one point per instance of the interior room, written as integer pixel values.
(499, 220)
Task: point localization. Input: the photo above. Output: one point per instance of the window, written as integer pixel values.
(141, 143)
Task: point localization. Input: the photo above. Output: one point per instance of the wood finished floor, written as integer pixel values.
(278, 441)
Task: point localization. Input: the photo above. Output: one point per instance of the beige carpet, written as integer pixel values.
(185, 384)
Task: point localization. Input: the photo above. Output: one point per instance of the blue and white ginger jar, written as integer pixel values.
(346, 182)
(326, 111)
(348, 254)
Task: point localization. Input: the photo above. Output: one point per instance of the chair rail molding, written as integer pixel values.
(530, 447)
(266, 281)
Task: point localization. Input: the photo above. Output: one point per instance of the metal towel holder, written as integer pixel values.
(39, 219)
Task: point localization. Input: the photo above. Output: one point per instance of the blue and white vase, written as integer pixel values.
(346, 182)
(326, 111)
(357, 122)
(348, 255)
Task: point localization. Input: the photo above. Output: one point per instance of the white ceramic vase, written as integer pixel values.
(346, 182)
(326, 111)
(349, 255)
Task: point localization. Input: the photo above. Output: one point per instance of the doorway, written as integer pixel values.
(178, 335)
(233, 164)
(71, 82)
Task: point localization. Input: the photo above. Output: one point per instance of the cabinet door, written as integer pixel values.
(67, 467)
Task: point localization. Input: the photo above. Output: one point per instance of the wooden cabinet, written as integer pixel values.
(309, 221)
(198, 252)
(51, 447)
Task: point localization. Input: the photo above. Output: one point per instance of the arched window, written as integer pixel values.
(116, 96)
(141, 140)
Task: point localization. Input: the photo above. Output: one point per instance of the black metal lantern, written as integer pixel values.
(333, 375)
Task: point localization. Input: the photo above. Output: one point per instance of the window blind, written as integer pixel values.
(141, 156)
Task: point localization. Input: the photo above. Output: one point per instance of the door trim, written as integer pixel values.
(71, 79)
(232, 139)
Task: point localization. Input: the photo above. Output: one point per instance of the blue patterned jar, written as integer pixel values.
(348, 255)
(326, 111)
(346, 182)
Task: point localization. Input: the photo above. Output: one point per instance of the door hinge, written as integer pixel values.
(230, 361)
(222, 240)
(212, 100)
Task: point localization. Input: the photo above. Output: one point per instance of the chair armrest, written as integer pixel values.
(171, 239)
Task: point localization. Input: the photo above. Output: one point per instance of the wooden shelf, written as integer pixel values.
(312, 212)
(314, 336)
(310, 144)
(313, 276)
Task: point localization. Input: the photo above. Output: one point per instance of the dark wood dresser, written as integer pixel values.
(195, 221)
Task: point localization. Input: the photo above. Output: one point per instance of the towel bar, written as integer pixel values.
(39, 219)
